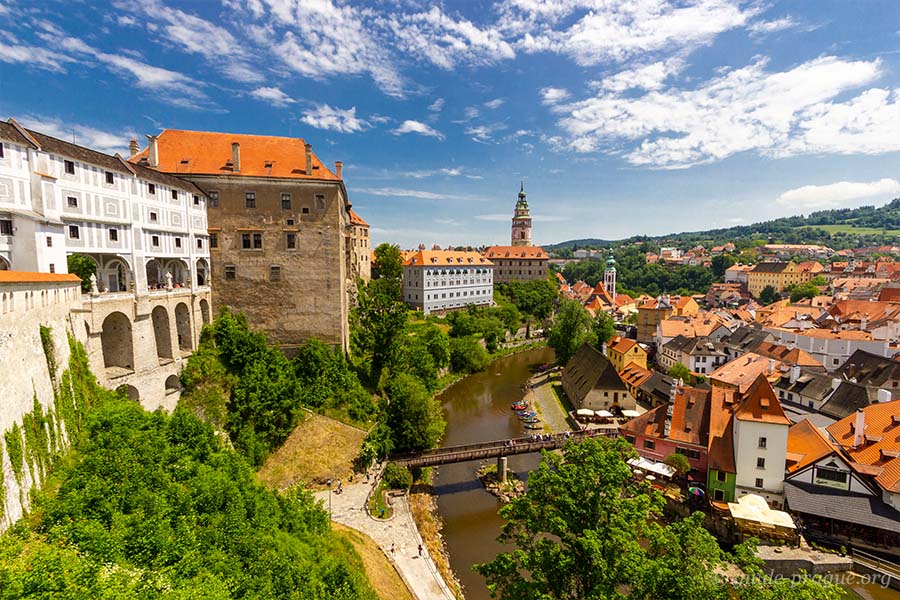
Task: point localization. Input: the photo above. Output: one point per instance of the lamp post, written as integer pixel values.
(329, 499)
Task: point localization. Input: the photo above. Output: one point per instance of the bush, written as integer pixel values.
(467, 355)
(396, 477)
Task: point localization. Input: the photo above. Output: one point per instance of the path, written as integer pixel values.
(399, 533)
(552, 412)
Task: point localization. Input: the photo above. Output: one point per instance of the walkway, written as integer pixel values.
(552, 412)
(397, 537)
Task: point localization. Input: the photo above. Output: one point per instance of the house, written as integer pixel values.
(656, 389)
(847, 398)
(623, 351)
(440, 280)
(790, 356)
(741, 372)
(831, 348)
(699, 354)
(738, 274)
(743, 340)
(360, 245)
(779, 275)
(702, 324)
(634, 376)
(517, 263)
(590, 381)
(789, 250)
(807, 388)
(872, 371)
(650, 314)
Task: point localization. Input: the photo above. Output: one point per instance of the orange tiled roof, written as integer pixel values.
(694, 326)
(446, 258)
(527, 252)
(355, 219)
(209, 153)
(788, 356)
(634, 374)
(621, 345)
(690, 416)
(743, 371)
(889, 478)
(34, 277)
(807, 444)
(760, 404)
(721, 409)
(882, 434)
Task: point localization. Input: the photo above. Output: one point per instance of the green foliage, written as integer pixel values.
(720, 263)
(679, 462)
(396, 478)
(533, 298)
(377, 323)
(679, 371)
(13, 439)
(388, 261)
(175, 515)
(47, 345)
(768, 295)
(328, 383)
(413, 416)
(572, 328)
(467, 355)
(84, 267)
(207, 383)
(586, 529)
(603, 328)
(803, 290)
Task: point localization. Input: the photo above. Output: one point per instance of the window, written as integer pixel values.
(69, 167)
(245, 241)
(694, 454)
(289, 222)
(285, 202)
(230, 272)
(719, 495)
(759, 482)
(174, 194)
(52, 268)
(320, 201)
(834, 361)
(114, 235)
(1, 151)
(110, 177)
(760, 463)
(72, 202)
(49, 242)
(649, 444)
(213, 199)
(290, 241)
(214, 240)
(154, 241)
(250, 200)
(151, 188)
(304, 210)
(199, 244)
(178, 242)
(6, 227)
(831, 475)
(73, 232)
(682, 451)
(762, 442)
(154, 217)
(275, 273)
(720, 476)
(196, 200)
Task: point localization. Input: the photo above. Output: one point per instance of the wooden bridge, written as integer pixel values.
(495, 449)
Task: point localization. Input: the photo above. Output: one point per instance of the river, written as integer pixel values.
(477, 410)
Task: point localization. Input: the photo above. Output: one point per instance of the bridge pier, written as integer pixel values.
(501, 469)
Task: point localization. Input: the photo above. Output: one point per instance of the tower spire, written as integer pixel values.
(521, 222)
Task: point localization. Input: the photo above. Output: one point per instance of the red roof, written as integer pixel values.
(355, 219)
(526, 252)
(806, 445)
(760, 404)
(34, 277)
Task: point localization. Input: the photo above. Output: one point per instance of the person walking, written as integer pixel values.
(392, 549)
(420, 550)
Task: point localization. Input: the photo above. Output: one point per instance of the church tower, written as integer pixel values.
(609, 277)
(521, 222)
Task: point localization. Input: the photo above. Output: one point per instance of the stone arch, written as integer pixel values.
(4, 263)
(180, 270)
(130, 391)
(204, 311)
(162, 331)
(117, 341)
(154, 272)
(173, 384)
(202, 270)
(115, 276)
(183, 325)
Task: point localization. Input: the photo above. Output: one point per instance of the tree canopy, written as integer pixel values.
(571, 328)
(768, 295)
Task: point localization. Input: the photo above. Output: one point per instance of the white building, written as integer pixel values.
(438, 280)
(136, 224)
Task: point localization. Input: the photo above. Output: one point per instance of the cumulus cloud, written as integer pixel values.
(328, 117)
(84, 135)
(436, 106)
(552, 95)
(765, 27)
(272, 95)
(484, 133)
(410, 126)
(495, 103)
(837, 195)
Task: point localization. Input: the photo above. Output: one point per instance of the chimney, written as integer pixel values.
(835, 383)
(864, 323)
(133, 146)
(884, 395)
(859, 428)
(771, 366)
(339, 169)
(236, 156)
(308, 159)
(152, 151)
(795, 373)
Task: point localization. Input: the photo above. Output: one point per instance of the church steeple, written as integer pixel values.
(521, 221)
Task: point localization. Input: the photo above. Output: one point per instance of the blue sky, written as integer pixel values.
(623, 116)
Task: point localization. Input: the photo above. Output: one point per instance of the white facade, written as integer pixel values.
(136, 224)
(445, 280)
(756, 441)
(831, 352)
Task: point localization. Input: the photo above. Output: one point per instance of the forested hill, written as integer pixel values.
(839, 228)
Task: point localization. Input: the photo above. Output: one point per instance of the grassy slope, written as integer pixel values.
(384, 579)
(319, 449)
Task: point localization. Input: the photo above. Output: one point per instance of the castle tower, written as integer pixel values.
(521, 222)
(609, 277)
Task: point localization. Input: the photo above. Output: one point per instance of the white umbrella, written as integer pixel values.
(584, 412)
(605, 414)
(630, 413)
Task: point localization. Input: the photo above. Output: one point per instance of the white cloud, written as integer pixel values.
(747, 109)
(90, 137)
(410, 126)
(484, 133)
(41, 58)
(552, 95)
(450, 172)
(406, 193)
(765, 27)
(837, 195)
(125, 20)
(495, 103)
(646, 77)
(437, 105)
(342, 120)
(471, 112)
(273, 95)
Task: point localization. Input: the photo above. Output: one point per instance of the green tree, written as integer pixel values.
(379, 320)
(768, 295)
(603, 328)
(803, 290)
(679, 371)
(389, 261)
(414, 417)
(679, 462)
(720, 263)
(84, 267)
(467, 355)
(571, 329)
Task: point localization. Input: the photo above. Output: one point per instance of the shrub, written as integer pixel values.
(396, 477)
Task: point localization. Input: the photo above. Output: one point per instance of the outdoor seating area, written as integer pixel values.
(586, 415)
(754, 518)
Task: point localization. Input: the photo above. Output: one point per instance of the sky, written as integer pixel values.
(622, 117)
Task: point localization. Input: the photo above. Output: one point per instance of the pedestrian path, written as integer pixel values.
(397, 537)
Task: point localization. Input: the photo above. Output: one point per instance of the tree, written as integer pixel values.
(803, 290)
(571, 329)
(414, 417)
(586, 529)
(84, 267)
(720, 263)
(603, 328)
(389, 261)
(379, 320)
(679, 462)
(768, 295)
(467, 355)
(679, 371)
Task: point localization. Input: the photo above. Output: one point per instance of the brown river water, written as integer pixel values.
(477, 409)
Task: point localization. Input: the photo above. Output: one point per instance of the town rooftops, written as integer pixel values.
(806, 445)
(846, 400)
(841, 505)
(634, 374)
(881, 436)
(33, 277)
(743, 371)
(587, 370)
(621, 345)
(512, 252)
(690, 416)
(760, 404)
(770, 267)
(789, 356)
(211, 153)
(869, 369)
(446, 258)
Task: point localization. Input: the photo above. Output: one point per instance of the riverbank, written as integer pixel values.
(450, 379)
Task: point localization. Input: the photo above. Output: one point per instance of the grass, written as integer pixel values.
(378, 504)
(382, 575)
(852, 229)
(562, 397)
(319, 449)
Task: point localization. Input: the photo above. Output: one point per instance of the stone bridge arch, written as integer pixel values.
(117, 341)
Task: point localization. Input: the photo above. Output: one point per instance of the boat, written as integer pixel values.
(531, 420)
(519, 406)
(533, 426)
(527, 415)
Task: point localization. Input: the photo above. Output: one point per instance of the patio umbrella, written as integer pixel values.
(695, 491)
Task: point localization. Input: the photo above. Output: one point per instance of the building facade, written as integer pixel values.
(521, 222)
(517, 263)
(441, 280)
(779, 275)
(280, 229)
(360, 246)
